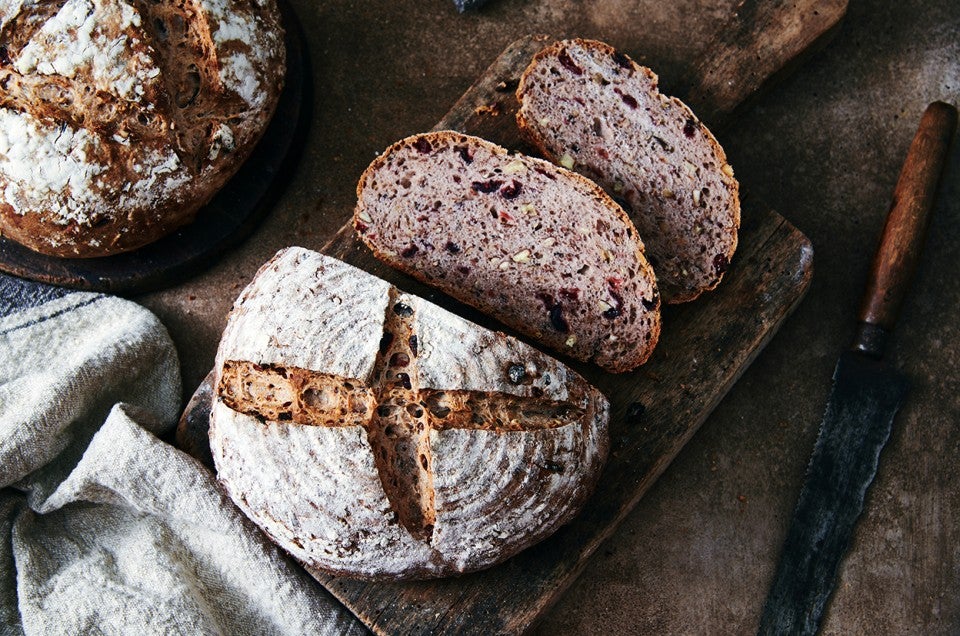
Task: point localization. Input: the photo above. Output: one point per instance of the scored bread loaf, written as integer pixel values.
(592, 109)
(119, 120)
(540, 248)
(373, 434)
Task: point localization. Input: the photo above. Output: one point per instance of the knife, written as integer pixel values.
(864, 399)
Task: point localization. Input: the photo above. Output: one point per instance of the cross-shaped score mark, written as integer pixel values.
(397, 413)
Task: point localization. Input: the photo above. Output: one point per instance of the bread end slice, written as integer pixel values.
(592, 109)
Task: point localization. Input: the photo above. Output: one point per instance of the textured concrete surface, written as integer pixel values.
(823, 148)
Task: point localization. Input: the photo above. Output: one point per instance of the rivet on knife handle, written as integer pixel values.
(900, 245)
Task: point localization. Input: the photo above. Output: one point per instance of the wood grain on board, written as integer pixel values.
(704, 348)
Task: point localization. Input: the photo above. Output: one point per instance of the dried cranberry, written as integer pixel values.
(516, 373)
(690, 128)
(486, 187)
(404, 380)
(557, 320)
(402, 309)
(452, 247)
(720, 264)
(621, 59)
(568, 63)
(410, 251)
(413, 345)
(570, 293)
(634, 412)
(548, 175)
(466, 154)
(422, 145)
(399, 360)
(360, 226)
(511, 190)
(506, 217)
(629, 100)
(385, 341)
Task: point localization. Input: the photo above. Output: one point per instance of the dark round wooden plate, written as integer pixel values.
(229, 217)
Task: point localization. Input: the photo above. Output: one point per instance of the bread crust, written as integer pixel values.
(120, 120)
(644, 200)
(604, 310)
(512, 441)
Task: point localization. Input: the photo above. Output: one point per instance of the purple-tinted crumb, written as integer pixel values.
(486, 187)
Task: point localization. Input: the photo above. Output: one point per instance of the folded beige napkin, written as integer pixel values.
(104, 528)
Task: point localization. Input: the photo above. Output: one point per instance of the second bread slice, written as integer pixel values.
(540, 248)
(594, 110)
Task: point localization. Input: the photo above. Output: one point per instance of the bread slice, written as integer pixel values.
(373, 434)
(592, 109)
(540, 248)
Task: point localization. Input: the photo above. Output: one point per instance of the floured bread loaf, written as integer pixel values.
(119, 120)
(372, 434)
(540, 248)
(594, 110)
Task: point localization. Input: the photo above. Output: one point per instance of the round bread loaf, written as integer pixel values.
(540, 248)
(373, 434)
(119, 120)
(592, 109)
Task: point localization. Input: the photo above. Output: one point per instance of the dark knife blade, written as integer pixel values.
(865, 397)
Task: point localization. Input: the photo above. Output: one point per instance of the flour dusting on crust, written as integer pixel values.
(119, 120)
(508, 442)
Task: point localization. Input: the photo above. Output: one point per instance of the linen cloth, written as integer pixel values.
(104, 527)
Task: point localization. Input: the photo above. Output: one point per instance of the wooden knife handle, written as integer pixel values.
(903, 235)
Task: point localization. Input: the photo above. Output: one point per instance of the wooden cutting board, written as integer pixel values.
(704, 347)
